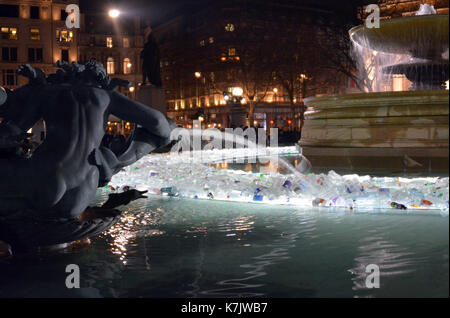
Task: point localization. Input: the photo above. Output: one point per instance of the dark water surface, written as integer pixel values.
(190, 248)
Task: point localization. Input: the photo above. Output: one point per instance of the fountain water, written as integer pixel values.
(381, 130)
(414, 46)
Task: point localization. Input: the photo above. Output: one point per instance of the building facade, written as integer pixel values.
(209, 52)
(398, 8)
(117, 48)
(117, 44)
(34, 32)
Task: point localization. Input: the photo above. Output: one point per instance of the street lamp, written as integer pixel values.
(275, 91)
(237, 91)
(114, 13)
(197, 76)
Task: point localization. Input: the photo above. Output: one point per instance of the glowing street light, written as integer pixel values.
(131, 89)
(303, 77)
(275, 90)
(237, 91)
(197, 76)
(114, 13)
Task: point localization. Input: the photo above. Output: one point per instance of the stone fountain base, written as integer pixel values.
(389, 131)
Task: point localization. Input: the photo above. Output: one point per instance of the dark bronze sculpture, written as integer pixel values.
(60, 178)
(151, 67)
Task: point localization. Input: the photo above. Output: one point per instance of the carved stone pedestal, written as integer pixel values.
(378, 131)
(153, 96)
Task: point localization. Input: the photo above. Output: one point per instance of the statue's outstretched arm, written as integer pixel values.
(151, 119)
(153, 131)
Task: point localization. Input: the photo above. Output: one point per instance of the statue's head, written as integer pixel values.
(147, 32)
(95, 73)
(89, 73)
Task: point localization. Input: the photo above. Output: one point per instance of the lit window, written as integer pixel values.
(202, 43)
(110, 65)
(35, 34)
(64, 36)
(126, 42)
(229, 27)
(9, 33)
(211, 40)
(231, 51)
(109, 42)
(126, 66)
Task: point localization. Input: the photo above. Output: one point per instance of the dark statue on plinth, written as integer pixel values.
(44, 197)
(151, 67)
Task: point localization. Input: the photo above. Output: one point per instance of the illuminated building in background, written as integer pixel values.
(34, 32)
(116, 41)
(207, 41)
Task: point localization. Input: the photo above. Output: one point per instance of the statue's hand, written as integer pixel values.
(28, 71)
(118, 199)
(118, 82)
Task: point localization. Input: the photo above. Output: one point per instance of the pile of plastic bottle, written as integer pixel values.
(194, 177)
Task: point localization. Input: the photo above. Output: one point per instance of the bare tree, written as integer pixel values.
(335, 44)
(251, 49)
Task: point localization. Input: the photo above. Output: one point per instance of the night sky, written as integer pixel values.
(158, 11)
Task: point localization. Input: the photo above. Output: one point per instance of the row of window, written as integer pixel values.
(12, 11)
(111, 65)
(9, 78)
(11, 33)
(9, 54)
(210, 41)
(109, 42)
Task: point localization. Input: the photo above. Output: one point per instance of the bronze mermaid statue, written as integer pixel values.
(55, 185)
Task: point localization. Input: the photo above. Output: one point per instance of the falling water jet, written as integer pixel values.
(377, 130)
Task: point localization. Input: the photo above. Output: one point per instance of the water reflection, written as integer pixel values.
(136, 223)
(241, 287)
(252, 282)
(173, 248)
(392, 260)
